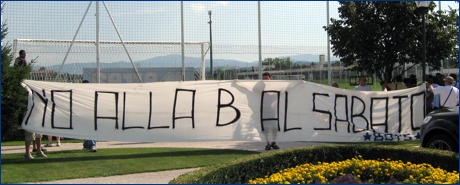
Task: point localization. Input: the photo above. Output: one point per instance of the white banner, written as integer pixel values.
(239, 110)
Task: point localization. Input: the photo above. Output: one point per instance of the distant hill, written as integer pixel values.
(173, 61)
(309, 58)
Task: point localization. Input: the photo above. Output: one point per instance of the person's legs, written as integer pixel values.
(90, 145)
(28, 155)
(273, 144)
(86, 144)
(29, 136)
(93, 146)
(38, 143)
(268, 146)
(58, 141)
(34, 146)
(50, 141)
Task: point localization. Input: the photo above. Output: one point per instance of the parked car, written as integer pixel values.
(440, 130)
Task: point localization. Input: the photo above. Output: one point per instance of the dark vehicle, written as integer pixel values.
(440, 130)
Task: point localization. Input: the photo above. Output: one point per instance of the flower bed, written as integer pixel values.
(243, 170)
(358, 170)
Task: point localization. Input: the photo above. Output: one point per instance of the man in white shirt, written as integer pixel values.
(455, 84)
(448, 94)
(362, 85)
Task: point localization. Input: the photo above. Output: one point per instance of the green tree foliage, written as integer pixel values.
(378, 37)
(14, 96)
(279, 63)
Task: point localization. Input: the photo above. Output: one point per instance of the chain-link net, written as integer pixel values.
(233, 32)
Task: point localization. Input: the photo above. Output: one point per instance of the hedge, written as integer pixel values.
(242, 170)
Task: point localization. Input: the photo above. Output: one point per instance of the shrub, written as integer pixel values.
(14, 96)
(260, 165)
(358, 170)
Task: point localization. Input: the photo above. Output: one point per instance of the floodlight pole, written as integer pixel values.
(210, 42)
(97, 44)
(423, 6)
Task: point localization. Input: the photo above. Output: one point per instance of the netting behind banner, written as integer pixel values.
(77, 55)
(229, 30)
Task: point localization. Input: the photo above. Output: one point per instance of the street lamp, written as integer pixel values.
(423, 7)
(210, 40)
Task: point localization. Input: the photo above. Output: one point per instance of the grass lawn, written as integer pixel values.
(344, 85)
(82, 164)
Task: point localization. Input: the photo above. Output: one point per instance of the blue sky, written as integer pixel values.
(288, 27)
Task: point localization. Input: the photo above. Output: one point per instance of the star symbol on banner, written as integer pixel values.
(417, 136)
(367, 136)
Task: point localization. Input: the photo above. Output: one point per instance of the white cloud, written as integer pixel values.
(223, 3)
(197, 7)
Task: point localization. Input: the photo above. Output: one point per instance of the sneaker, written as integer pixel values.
(28, 157)
(93, 150)
(275, 146)
(41, 154)
(43, 149)
(268, 147)
(58, 144)
(49, 145)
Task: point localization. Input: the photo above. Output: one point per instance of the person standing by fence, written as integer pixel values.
(21, 60)
(448, 94)
(30, 137)
(268, 107)
(362, 86)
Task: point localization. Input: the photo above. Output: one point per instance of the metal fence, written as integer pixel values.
(235, 36)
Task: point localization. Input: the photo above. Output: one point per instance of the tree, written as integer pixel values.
(378, 37)
(14, 95)
(280, 63)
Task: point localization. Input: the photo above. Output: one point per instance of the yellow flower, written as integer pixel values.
(309, 173)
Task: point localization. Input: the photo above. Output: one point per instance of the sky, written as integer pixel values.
(288, 28)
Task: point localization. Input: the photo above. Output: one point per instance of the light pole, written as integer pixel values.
(423, 7)
(210, 41)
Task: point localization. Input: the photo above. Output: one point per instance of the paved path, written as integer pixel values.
(153, 177)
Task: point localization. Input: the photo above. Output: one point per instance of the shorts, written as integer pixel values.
(30, 136)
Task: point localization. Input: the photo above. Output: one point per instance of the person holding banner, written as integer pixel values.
(362, 86)
(429, 96)
(30, 137)
(89, 144)
(36, 140)
(21, 60)
(384, 86)
(448, 93)
(50, 141)
(398, 84)
(270, 112)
